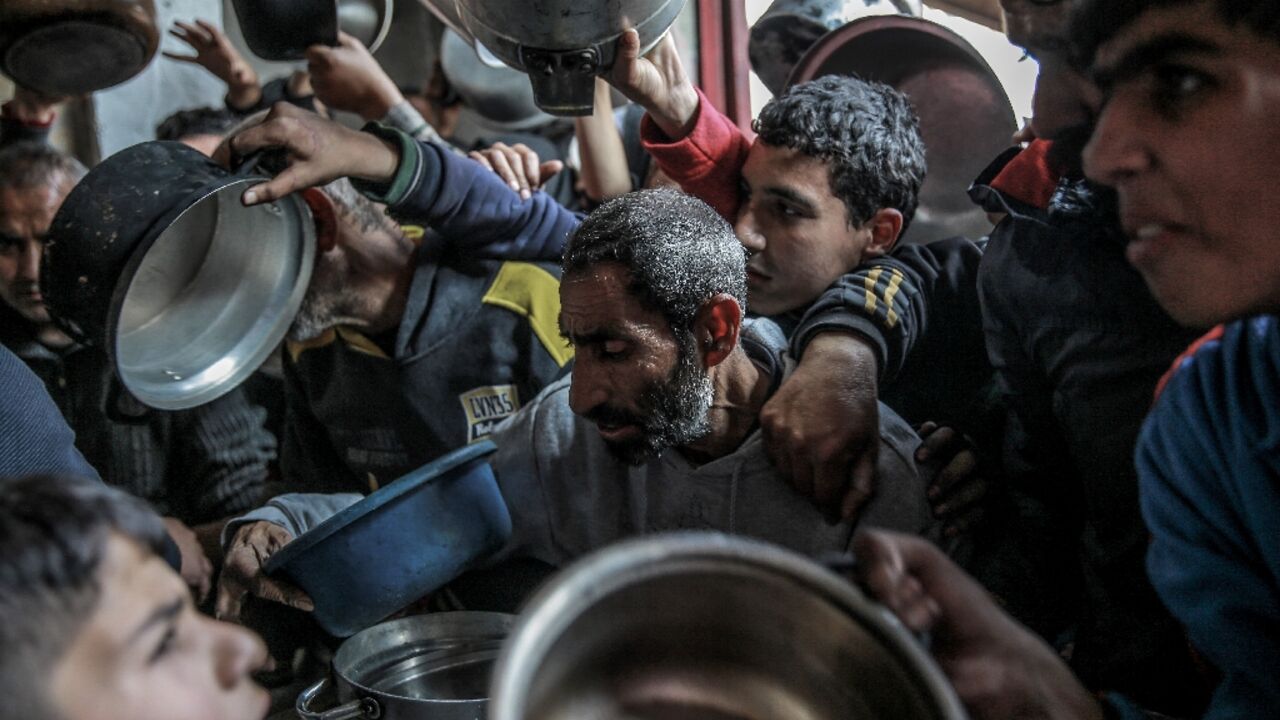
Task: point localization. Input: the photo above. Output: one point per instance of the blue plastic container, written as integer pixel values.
(400, 543)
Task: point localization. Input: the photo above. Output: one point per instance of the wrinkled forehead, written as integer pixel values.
(1038, 25)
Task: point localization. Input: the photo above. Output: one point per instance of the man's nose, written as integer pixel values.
(587, 388)
(1117, 150)
(748, 231)
(29, 265)
(238, 652)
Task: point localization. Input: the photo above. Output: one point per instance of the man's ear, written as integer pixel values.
(326, 217)
(716, 328)
(885, 227)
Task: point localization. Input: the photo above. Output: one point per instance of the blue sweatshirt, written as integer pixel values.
(1209, 471)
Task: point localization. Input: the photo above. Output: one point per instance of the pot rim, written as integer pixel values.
(578, 587)
(343, 677)
(279, 328)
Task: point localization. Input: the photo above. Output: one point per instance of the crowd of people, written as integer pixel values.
(1028, 441)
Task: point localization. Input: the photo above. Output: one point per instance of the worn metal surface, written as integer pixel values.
(423, 667)
(153, 257)
(75, 47)
(702, 625)
(561, 44)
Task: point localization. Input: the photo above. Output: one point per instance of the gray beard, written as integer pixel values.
(674, 412)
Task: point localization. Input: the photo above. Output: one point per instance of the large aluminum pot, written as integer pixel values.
(561, 44)
(74, 47)
(788, 28)
(424, 667)
(153, 257)
(703, 625)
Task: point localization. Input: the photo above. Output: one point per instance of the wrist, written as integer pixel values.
(678, 113)
(379, 159)
(244, 97)
(380, 103)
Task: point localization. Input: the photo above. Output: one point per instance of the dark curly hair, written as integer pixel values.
(197, 121)
(1096, 22)
(866, 132)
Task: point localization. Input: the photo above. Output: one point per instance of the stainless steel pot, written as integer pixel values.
(153, 257)
(561, 44)
(702, 625)
(424, 667)
(74, 47)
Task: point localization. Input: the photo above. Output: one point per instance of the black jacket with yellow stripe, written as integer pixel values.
(478, 339)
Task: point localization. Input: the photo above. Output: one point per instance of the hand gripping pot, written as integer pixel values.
(153, 257)
(402, 542)
(703, 625)
(561, 44)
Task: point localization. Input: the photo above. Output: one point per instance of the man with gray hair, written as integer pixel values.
(656, 428)
(197, 467)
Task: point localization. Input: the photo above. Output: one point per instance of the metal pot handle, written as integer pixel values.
(355, 710)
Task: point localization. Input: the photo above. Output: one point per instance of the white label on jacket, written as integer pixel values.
(486, 407)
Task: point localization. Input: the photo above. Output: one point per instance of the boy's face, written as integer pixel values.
(796, 230)
(1187, 135)
(146, 653)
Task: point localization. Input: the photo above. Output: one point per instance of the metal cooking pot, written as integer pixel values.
(703, 625)
(788, 28)
(965, 116)
(153, 257)
(424, 667)
(561, 44)
(284, 29)
(74, 47)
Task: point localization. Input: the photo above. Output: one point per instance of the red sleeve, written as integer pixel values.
(707, 163)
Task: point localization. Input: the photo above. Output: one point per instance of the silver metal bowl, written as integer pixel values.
(706, 626)
(212, 297)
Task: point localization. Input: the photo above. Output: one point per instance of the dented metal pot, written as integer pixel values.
(74, 47)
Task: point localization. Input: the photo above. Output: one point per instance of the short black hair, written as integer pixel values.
(1096, 22)
(197, 121)
(53, 535)
(866, 132)
(679, 252)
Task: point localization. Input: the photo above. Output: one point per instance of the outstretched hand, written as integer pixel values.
(243, 575)
(999, 668)
(518, 166)
(318, 151)
(657, 82)
(347, 77)
(215, 53)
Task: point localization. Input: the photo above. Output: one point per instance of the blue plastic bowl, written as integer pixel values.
(400, 543)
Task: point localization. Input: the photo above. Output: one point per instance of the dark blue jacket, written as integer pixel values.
(1209, 466)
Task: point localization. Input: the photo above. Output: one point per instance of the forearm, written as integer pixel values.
(706, 161)
(471, 206)
(605, 174)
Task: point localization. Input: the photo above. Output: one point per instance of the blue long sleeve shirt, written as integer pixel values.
(1209, 469)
